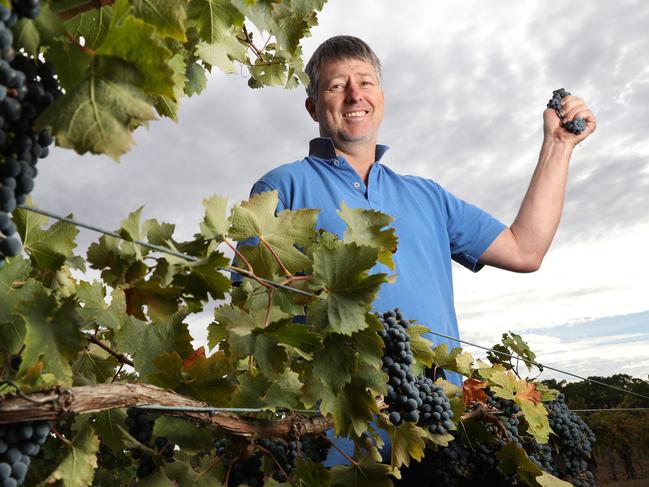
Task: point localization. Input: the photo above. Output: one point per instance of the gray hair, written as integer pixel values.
(338, 48)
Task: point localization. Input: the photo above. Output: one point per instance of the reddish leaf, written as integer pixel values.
(473, 391)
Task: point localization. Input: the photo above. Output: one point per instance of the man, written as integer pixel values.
(346, 100)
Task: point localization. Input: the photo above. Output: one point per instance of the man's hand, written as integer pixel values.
(571, 107)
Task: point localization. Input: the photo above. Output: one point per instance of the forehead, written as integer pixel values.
(332, 68)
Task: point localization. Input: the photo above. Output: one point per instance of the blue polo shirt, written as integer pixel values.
(433, 227)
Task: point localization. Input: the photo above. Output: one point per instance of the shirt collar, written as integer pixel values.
(323, 148)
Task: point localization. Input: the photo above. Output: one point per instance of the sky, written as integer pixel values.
(465, 86)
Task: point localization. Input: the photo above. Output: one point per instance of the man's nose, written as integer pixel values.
(353, 93)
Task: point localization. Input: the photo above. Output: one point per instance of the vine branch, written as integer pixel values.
(60, 402)
(123, 359)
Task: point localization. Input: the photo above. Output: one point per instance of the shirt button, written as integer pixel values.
(357, 185)
(336, 162)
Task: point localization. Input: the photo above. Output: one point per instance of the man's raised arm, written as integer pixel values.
(522, 246)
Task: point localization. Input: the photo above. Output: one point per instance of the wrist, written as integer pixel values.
(559, 143)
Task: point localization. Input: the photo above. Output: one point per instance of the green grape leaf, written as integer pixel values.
(92, 25)
(181, 474)
(108, 426)
(214, 19)
(215, 224)
(52, 334)
(342, 270)
(250, 391)
(14, 288)
(72, 64)
(365, 227)
(168, 105)
(98, 114)
(352, 408)
(196, 79)
(422, 348)
(135, 41)
(365, 473)
(78, 467)
(407, 442)
(514, 461)
(48, 248)
(278, 235)
(335, 363)
(169, 18)
(158, 478)
(95, 308)
(548, 480)
(506, 385)
(236, 320)
(94, 365)
(144, 342)
(312, 474)
(270, 72)
(223, 53)
(284, 391)
(296, 338)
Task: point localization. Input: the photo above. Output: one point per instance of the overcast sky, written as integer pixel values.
(465, 87)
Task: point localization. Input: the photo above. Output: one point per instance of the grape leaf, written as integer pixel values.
(284, 391)
(71, 63)
(99, 113)
(146, 341)
(278, 235)
(94, 365)
(168, 17)
(335, 363)
(12, 328)
(363, 474)
(407, 442)
(364, 227)
(183, 475)
(312, 474)
(78, 467)
(352, 408)
(91, 25)
(196, 79)
(135, 41)
(506, 385)
(214, 18)
(108, 427)
(342, 270)
(236, 320)
(222, 54)
(215, 223)
(422, 348)
(48, 248)
(95, 308)
(548, 480)
(52, 334)
(296, 338)
(168, 105)
(514, 461)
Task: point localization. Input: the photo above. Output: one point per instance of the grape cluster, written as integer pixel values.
(576, 126)
(140, 427)
(18, 443)
(246, 469)
(575, 443)
(27, 87)
(409, 398)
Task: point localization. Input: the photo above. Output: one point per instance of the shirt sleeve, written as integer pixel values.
(470, 230)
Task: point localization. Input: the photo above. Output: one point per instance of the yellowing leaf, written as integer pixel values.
(78, 467)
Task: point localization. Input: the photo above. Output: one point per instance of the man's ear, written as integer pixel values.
(310, 107)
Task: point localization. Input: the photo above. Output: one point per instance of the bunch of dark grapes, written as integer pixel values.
(27, 87)
(409, 398)
(576, 126)
(574, 444)
(140, 427)
(245, 468)
(18, 443)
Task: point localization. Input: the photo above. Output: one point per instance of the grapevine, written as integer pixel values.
(27, 87)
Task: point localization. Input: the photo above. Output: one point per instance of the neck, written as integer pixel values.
(361, 159)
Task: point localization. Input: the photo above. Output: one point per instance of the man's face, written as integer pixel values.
(350, 103)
